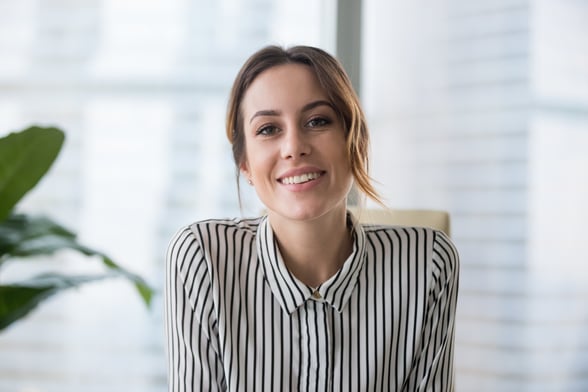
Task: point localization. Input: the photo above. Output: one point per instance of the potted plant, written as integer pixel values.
(25, 157)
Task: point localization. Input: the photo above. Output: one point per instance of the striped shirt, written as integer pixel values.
(238, 320)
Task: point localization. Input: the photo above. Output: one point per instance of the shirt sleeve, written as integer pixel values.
(433, 368)
(190, 323)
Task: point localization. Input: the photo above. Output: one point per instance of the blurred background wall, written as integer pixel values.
(479, 108)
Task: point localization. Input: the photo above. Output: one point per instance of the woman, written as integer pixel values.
(306, 298)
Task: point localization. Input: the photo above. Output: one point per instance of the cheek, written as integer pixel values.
(248, 154)
(259, 160)
(254, 159)
(340, 151)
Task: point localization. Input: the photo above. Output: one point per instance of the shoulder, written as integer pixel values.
(413, 235)
(445, 256)
(213, 231)
(195, 249)
(421, 245)
(209, 235)
(434, 242)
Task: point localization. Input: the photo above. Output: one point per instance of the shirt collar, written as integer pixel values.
(291, 292)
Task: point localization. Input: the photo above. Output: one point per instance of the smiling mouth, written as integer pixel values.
(301, 179)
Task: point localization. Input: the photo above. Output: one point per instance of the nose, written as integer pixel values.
(295, 143)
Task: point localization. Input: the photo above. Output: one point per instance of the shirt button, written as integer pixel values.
(316, 295)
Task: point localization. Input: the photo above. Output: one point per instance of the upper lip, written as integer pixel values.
(300, 171)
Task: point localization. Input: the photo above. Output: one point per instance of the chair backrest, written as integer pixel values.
(435, 219)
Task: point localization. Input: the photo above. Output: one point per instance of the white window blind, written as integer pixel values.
(140, 88)
(481, 108)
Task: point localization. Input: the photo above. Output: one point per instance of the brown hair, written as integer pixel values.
(336, 84)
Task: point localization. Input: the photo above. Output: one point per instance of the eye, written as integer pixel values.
(267, 130)
(318, 122)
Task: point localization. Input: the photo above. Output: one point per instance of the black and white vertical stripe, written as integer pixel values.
(237, 320)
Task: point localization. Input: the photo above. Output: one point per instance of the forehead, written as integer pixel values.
(282, 87)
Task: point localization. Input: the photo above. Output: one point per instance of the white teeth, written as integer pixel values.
(300, 179)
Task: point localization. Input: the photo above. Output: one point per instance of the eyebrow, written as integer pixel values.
(305, 108)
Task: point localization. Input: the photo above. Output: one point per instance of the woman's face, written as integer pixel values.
(294, 144)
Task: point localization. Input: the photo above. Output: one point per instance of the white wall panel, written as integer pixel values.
(480, 108)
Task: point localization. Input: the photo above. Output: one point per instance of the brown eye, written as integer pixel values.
(318, 122)
(267, 130)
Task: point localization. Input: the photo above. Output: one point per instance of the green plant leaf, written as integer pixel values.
(18, 299)
(25, 157)
(144, 290)
(23, 236)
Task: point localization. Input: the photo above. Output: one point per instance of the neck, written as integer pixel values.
(314, 250)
